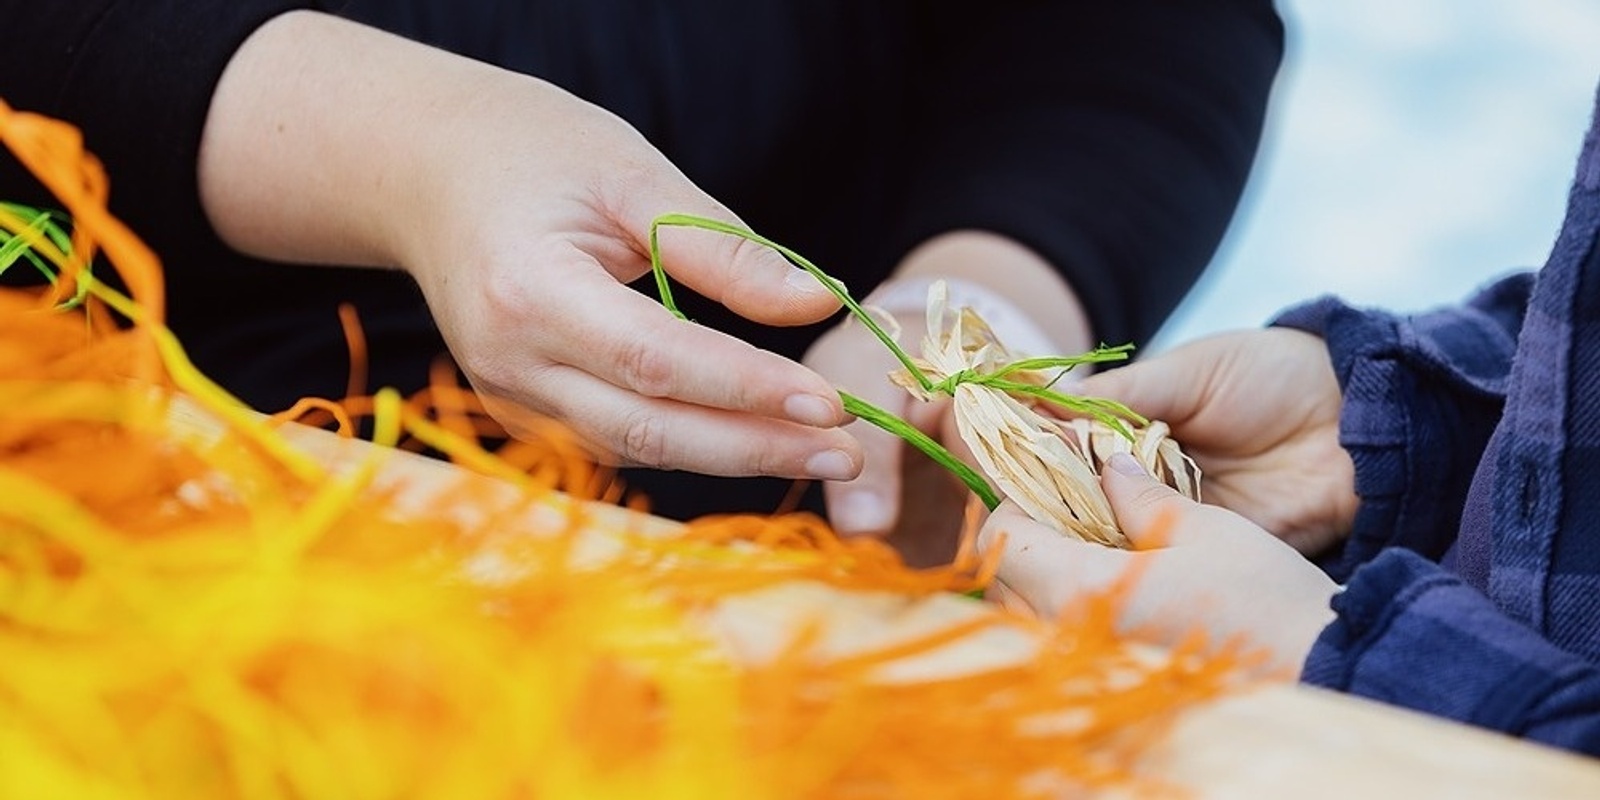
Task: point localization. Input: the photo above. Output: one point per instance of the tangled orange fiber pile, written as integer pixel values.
(221, 614)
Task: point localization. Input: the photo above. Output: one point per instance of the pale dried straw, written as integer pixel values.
(1048, 466)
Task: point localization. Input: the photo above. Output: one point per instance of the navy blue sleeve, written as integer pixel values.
(1413, 635)
(1422, 395)
(1112, 138)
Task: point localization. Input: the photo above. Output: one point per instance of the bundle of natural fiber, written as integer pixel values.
(1047, 465)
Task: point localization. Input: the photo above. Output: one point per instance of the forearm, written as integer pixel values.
(1411, 634)
(312, 148)
(334, 143)
(1422, 394)
(137, 78)
(1113, 139)
(1015, 275)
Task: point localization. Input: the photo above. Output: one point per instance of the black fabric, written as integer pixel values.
(1114, 138)
(137, 77)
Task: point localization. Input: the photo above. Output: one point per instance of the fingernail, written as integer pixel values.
(831, 465)
(809, 409)
(861, 511)
(1125, 464)
(801, 280)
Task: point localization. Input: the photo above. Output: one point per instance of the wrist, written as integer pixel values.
(312, 151)
(1011, 272)
(906, 299)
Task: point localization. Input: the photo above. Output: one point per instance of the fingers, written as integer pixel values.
(753, 280)
(1002, 595)
(870, 504)
(1209, 382)
(629, 341)
(1164, 387)
(1041, 569)
(1150, 513)
(659, 432)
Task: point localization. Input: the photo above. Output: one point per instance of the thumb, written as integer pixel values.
(752, 279)
(1150, 513)
(1154, 388)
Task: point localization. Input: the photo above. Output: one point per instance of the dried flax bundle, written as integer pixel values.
(1048, 466)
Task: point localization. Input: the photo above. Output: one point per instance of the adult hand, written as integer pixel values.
(1035, 302)
(521, 211)
(1259, 413)
(1201, 568)
(893, 475)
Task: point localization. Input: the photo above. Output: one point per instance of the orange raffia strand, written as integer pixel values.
(450, 407)
(184, 619)
(53, 151)
(858, 563)
(303, 408)
(356, 341)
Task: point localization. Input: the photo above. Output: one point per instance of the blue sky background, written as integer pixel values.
(1415, 149)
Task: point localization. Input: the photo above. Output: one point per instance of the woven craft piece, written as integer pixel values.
(1047, 465)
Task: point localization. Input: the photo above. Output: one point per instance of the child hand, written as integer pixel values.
(1258, 411)
(1203, 568)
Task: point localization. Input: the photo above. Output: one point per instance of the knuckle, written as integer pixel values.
(1154, 498)
(647, 367)
(644, 440)
(736, 280)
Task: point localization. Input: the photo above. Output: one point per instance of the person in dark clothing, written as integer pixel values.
(1441, 466)
(1073, 165)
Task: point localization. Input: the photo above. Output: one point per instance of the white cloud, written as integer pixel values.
(1416, 150)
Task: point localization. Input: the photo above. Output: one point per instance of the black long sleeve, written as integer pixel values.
(1113, 138)
(137, 77)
